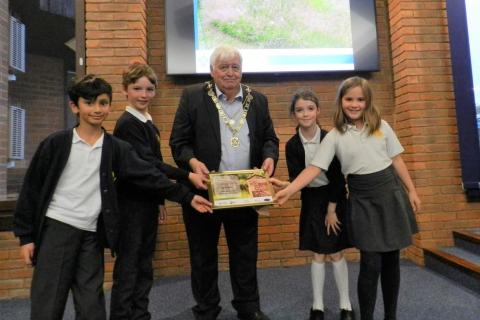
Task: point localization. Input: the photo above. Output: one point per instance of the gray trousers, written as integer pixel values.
(69, 258)
(133, 272)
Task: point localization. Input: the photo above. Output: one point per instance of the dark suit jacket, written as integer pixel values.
(196, 130)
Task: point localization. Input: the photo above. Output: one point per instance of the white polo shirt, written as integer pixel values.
(358, 152)
(77, 199)
(310, 147)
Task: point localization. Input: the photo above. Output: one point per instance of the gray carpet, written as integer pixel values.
(286, 295)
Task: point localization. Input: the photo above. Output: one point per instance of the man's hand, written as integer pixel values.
(268, 165)
(201, 204)
(26, 252)
(198, 167)
(198, 180)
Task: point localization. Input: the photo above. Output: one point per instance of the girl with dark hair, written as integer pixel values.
(322, 227)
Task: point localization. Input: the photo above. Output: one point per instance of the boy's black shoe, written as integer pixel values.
(316, 314)
(257, 315)
(347, 315)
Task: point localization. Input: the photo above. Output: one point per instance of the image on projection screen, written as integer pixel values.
(473, 22)
(278, 35)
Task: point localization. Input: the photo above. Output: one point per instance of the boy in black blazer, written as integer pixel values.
(133, 271)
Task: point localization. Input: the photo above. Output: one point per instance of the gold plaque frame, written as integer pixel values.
(240, 188)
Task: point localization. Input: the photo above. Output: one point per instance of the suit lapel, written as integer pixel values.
(212, 114)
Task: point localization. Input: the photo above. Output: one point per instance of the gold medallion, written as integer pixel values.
(235, 142)
(232, 125)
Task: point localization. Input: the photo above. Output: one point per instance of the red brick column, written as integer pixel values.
(116, 35)
(426, 121)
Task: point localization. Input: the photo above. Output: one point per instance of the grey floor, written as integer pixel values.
(286, 295)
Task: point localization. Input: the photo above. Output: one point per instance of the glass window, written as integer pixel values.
(42, 45)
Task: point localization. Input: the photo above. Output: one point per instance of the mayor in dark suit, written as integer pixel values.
(224, 125)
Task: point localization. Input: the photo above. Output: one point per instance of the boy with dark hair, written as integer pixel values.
(67, 210)
(133, 272)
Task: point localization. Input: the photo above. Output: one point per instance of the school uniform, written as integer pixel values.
(328, 187)
(380, 217)
(133, 271)
(69, 250)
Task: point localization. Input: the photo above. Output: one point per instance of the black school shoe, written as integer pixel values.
(347, 314)
(257, 315)
(316, 314)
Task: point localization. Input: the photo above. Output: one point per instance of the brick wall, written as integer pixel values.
(278, 234)
(4, 54)
(413, 90)
(426, 121)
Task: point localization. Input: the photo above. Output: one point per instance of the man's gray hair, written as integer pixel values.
(224, 52)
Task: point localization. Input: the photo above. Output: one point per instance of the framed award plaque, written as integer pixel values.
(241, 188)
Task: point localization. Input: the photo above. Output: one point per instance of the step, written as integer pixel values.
(457, 264)
(468, 240)
(475, 231)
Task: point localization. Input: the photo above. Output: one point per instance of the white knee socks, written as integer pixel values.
(340, 273)
(318, 280)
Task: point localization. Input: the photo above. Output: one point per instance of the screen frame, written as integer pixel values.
(468, 136)
(180, 42)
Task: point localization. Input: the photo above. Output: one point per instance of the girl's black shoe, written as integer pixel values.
(316, 314)
(347, 314)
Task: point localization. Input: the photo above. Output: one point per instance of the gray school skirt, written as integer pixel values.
(380, 216)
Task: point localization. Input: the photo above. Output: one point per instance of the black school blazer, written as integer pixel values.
(295, 155)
